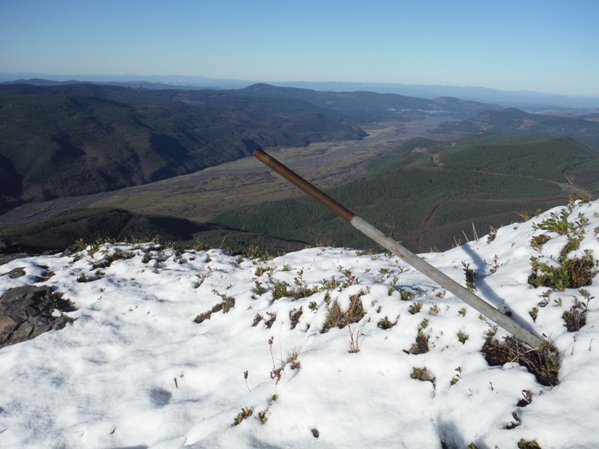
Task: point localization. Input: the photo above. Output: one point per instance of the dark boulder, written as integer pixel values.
(26, 312)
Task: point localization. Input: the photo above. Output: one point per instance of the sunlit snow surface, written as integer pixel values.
(108, 380)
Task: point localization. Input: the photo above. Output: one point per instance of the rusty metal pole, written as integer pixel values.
(424, 267)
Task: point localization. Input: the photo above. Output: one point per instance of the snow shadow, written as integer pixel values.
(133, 447)
(160, 397)
(451, 437)
(488, 294)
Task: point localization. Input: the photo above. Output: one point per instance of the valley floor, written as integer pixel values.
(201, 195)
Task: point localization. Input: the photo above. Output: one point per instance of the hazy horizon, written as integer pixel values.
(547, 47)
(195, 79)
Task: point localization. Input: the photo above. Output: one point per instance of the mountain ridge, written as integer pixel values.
(81, 139)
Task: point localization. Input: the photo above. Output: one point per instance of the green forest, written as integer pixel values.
(427, 192)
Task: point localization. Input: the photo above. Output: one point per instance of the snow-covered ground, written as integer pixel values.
(134, 370)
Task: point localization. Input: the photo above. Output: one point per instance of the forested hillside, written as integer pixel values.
(516, 121)
(427, 192)
(57, 144)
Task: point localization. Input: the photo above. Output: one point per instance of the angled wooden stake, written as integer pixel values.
(424, 267)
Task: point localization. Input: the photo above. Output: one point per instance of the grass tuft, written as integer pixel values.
(338, 318)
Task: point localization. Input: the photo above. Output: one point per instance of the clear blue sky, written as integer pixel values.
(544, 46)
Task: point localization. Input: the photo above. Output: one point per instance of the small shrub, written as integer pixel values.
(462, 337)
(294, 316)
(534, 313)
(302, 290)
(457, 377)
(280, 290)
(227, 303)
(433, 310)
(252, 252)
(200, 281)
(117, 254)
(495, 265)
(385, 323)
(57, 302)
(492, 235)
(555, 223)
(257, 319)
(471, 276)
(524, 444)
(406, 295)
(203, 317)
(538, 241)
(264, 269)
(572, 273)
(200, 246)
(420, 346)
(350, 279)
(259, 289)
(526, 398)
(545, 296)
(246, 412)
(576, 317)
(262, 416)
(384, 271)
(272, 317)
(422, 374)
(542, 362)
(83, 278)
(415, 308)
(330, 285)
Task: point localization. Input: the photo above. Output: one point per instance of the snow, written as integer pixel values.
(134, 370)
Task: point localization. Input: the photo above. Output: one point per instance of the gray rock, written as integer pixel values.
(15, 273)
(26, 312)
(11, 257)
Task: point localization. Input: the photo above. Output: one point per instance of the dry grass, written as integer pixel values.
(354, 340)
(292, 359)
(339, 318)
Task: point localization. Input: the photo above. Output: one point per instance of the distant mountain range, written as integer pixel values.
(533, 101)
(584, 128)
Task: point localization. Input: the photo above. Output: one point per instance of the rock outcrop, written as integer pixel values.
(26, 312)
